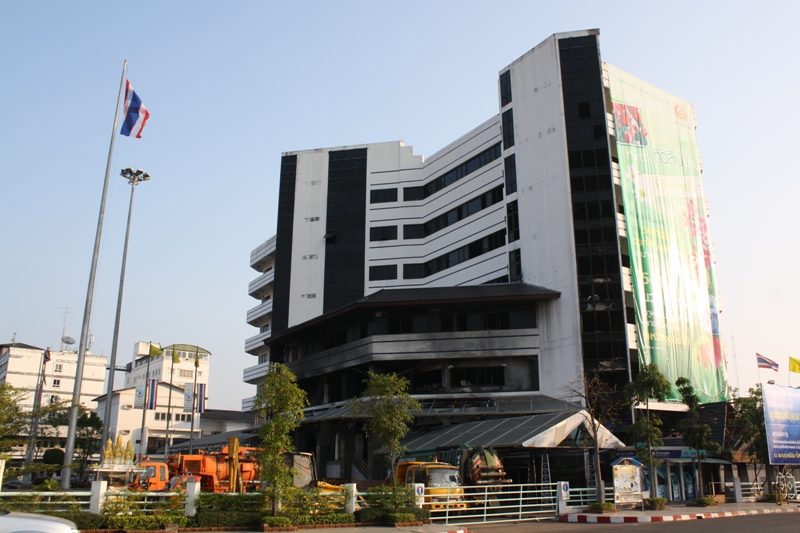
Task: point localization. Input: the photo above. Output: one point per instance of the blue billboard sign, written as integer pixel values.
(782, 417)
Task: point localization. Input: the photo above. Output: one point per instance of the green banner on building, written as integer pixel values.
(671, 255)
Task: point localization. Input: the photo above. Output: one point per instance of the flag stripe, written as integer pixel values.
(152, 400)
(766, 362)
(136, 114)
(201, 397)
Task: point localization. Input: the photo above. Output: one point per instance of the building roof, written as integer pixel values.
(214, 443)
(426, 296)
(20, 345)
(534, 431)
(222, 414)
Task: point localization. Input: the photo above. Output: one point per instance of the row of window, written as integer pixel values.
(487, 199)
(459, 255)
(508, 129)
(177, 417)
(453, 175)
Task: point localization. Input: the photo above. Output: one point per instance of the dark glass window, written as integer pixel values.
(455, 257)
(512, 221)
(485, 376)
(381, 196)
(479, 203)
(508, 129)
(511, 174)
(514, 266)
(382, 272)
(505, 88)
(452, 175)
(283, 243)
(383, 233)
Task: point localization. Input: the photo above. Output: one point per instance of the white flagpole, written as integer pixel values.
(69, 449)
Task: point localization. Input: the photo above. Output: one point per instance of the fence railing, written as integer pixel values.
(45, 502)
(494, 503)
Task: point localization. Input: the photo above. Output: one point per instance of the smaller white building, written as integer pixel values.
(21, 366)
(175, 413)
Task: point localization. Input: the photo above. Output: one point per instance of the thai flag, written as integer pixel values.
(152, 400)
(47, 355)
(765, 362)
(201, 397)
(136, 114)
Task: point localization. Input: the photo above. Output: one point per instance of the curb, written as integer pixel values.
(600, 519)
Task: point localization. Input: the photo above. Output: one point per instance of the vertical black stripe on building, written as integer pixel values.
(603, 324)
(345, 228)
(283, 244)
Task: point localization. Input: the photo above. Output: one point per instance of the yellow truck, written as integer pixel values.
(443, 488)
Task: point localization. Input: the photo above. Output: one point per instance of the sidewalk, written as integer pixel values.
(680, 512)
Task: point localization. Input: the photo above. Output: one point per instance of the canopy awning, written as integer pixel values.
(549, 430)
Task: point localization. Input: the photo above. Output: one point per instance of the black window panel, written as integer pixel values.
(379, 196)
(283, 243)
(413, 193)
(382, 272)
(505, 88)
(383, 233)
(455, 257)
(512, 221)
(508, 129)
(584, 110)
(344, 254)
(511, 173)
(514, 266)
(475, 205)
(484, 376)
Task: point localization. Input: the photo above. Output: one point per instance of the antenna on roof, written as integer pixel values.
(64, 329)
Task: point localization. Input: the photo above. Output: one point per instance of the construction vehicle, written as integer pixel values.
(443, 488)
(478, 465)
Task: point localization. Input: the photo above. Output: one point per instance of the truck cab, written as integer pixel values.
(442, 483)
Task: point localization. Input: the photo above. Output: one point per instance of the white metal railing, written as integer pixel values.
(583, 496)
(494, 503)
(263, 251)
(46, 501)
(753, 490)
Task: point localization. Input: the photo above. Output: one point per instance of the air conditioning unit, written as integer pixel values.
(125, 432)
(127, 406)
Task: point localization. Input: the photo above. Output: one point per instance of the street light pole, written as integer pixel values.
(133, 177)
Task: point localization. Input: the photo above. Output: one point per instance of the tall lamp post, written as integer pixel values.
(133, 177)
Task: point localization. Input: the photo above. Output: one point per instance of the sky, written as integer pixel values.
(231, 85)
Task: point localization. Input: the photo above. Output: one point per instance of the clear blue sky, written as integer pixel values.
(231, 85)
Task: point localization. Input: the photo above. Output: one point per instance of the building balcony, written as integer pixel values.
(261, 255)
(622, 225)
(632, 342)
(255, 374)
(262, 285)
(248, 404)
(627, 280)
(615, 173)
(260, 314)
(255, 344)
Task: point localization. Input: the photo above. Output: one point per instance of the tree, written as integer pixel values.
(388, 404)
(599, 399)
(649, 384)
(750, 426)
(695, 433)
(88, 431)
(280, 402)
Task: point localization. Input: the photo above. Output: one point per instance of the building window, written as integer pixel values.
(514, 266)
(492, 376)
(56, 383)
(511, 174)
(382, 272)
(479, 203)
(452, 175)
(382, 196)
(58, 367)
(508, 129)
(185, 373)
(455, 257)
(512, 221)
(383, 233)
(505, 88)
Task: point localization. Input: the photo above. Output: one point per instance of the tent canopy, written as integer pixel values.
(534, 431)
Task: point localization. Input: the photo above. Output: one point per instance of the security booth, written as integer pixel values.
(627, 481)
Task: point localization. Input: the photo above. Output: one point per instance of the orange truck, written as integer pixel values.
(442, 482)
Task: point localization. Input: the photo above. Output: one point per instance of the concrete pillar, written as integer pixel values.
(98, 500)
(562, 497)
(737, 490)
(192, 492)
(350, 492)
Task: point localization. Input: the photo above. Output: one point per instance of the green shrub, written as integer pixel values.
(228, 518)
(705, 502)
(276, 521)
(83, 519)
(144, 521)
(655, 503)
(420, 514)
(251, 501)
(400, 518)
(390, 497)
(329, 518)
(602, 506)
(370, 515)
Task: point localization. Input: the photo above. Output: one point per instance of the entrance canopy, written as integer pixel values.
(549, 430)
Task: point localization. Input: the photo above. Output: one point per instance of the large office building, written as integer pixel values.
(567, 233)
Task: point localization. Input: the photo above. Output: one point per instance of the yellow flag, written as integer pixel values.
(794, 365)
(155, 350)
(196, 360)
(175, 357)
